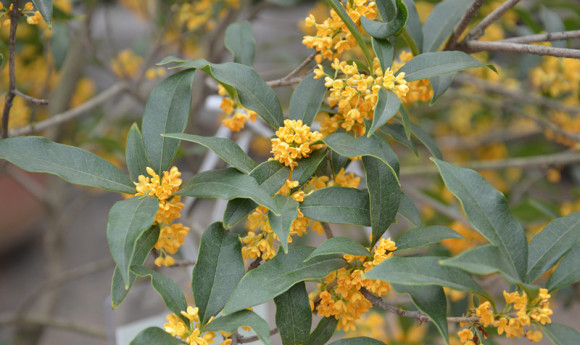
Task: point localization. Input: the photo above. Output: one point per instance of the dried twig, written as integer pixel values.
(502, 46)
(547, 37)
(479, 29)
(462, 25)
(30, 98)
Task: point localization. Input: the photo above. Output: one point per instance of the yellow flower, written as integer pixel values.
(485, 314)
(190, 333)
(465, 335)
(294, 142)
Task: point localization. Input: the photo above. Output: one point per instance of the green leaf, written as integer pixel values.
(384, 196)
(483, 260)
(306, 99)
(349, 146)
(397, 132)
(562, 335)
(282, 224)
(252, 91)
(218, 270)
(422, 271)
(337, 162)
(128, 220)
(427, 141)
(338, 205)
(441, 22)
(567, 272)
(429, 65)
(72, 164)
(278, 275)
(440, 84)
(408, 209)
(384, 51)
(240, 42)
(293, 315)
(167, 288)
(387, 10)
(307, 166)
(420, 237)
(387, 29)
(339, 245)
(45, 9)
(224, 148)
(430, 300)
(555, 240)
(487, 211)
(136, 154)
(358, 341)
(413, 25)
(236, 210)
(166, 111)
(144, 245)
(388, 105)
(406, 121)
(244, 318)
(323, 331)
(227, 184)
(154, 336)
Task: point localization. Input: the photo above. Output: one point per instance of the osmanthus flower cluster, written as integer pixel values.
(172, 235)
(33, 17)
(528, 319)
(235, 115)
(204, 14)
(339, 295)
(191, 332)
(294, 141)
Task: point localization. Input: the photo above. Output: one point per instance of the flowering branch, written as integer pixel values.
(465, 20)
(479, 29)
(12, 75)
(478, 46)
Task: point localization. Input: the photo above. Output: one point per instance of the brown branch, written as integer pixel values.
(462, 25)
(547, 37)
(501, 46)
(242, 340)
(50, 321)
(182, 264)
(327, 230)
(255, 264)
(479, 29)
(30, 98)
(297, 70)
(284, 82)
(12, 74)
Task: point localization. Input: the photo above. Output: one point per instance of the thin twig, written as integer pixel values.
(30, 98)
(479, 29)
(465, 20)
(501, 46)
(327, 230)
(284, 82)
(72, 113)
(50, 321)
(547, 37)
(183, 264)
(297, 70)
(12, 73)
(255, 264)
(450, 212)
(242, 340)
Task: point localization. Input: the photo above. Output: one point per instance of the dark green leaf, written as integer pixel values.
(167, 111)
(136, 154)
(487, 211)
(236, 210)
(323, 331)
(224, 148)
(128, 220)
(293, 315)
(426, 140)
(227, 184)
(555, 240)
(244, 318)
(388, 105)
(387, 9)
(430, 300)
(45, 9)
(567, 272)
(357, 341)
(308, 166)
(339, 245)
(218, 270)
(406, 121)
(408, 209)
(562, 335)
(144, 245)
(337, 162)
(278, 275)
(390, 28)
(397, 132)
(155, 336)
(282, 224)
(75, 165)
(306, 99)
(420, 237)
(440, 84)
(413, 25)
(384, 196)
(240, 42)
(384, 51)
(429, 65)
(441, 22)
(167, 288)
(338, 205)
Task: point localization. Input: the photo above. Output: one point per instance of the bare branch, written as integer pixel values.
(30, 98)
(284, 82)
(479, 29)
(547, 37)
(462, 25)
(478, 46)
(327, 230)
(297, 70)
(242, 340)
(12, 73)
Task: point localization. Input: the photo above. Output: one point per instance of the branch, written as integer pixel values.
(502, 46)
(50, 321)
(327, 230)
(547, 37)
(30, 98)
(182, 264)
(297, 70)
(284, 82)
(72, 113)
(242, 340)
(12, 74)
(479, 29)
(378, 302)
(462, 25)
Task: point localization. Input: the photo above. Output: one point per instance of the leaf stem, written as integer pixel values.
(410, 41)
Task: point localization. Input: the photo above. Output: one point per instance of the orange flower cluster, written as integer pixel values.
(190, 333)
(241, 115)
(293, 142)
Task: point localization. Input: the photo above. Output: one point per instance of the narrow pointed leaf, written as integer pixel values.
(384, 51)
(218, 270)
(427, 141)
(293, 315)
(406, 121)
(555, 240)
(227, 184)
(282, 224)
(128, 220)
(240, 41)
(244, 318)
(420, 237)
(338, 205)
(428, 65)
(413, 24)
(136, 154)
(45, 9)
(358, 341)
(567, 272)
(154, 336)
(561, 335)
(487, 211)
(440, 84)
(408, 209)
(278, 275)
(388, 105)
(307, 166)
(384, 196)
(306, 99)
(166, 111)
(337, 162)
(441, 22)
(72, 164)
(390, 28)
(224, 148)
(323, 331)
(339, 245)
